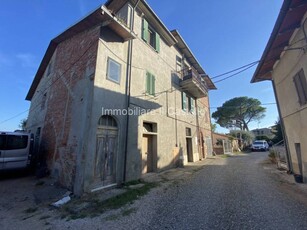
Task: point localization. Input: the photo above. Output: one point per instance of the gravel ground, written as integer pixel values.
(240, 192)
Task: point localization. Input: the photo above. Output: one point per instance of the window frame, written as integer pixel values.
(188, 103)
(300, 84)
(108, 69)
(147, 32)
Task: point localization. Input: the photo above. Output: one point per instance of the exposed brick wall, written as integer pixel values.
(74, 57)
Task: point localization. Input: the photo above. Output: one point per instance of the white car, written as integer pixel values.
(260, 145)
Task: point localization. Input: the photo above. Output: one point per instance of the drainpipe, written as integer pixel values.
(197, 130)
(288, 155)
(128, 89)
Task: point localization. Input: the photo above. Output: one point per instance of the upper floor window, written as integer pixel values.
(301, 87)
(150, 36)
(150, 84)
(188, 103)
(113, 70)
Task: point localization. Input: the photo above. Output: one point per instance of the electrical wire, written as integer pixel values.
(232, 75)
(223, 74)
(51, 84)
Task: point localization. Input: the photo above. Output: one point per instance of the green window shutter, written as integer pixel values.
(145, 30)
(157, 42)
(184, 101)
(192, 101)
(148, 82)
(153, 85)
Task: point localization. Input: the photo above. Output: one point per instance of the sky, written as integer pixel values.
(223, 35)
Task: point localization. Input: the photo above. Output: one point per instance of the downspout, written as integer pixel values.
(289, 162)
(128, 89)
(197, 130)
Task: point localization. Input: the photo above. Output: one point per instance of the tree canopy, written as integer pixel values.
(239, 112)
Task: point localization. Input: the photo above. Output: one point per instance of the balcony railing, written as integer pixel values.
(194, 84)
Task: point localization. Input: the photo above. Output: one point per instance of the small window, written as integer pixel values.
(301, 87)
(113, 70)
(150, 84)
(107, 121)
(188, 132)
(188, 103)
(150, 36)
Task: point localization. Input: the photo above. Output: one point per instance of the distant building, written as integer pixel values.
(219, 141)
(118, 95)
(263, 132)
(284, 62)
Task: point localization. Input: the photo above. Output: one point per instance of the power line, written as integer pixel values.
(11, 118)
(232, 75)
(220, 75)
(52, 83)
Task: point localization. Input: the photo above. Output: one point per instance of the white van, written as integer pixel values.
(15, 150)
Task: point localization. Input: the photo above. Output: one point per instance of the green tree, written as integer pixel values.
(245, 137)
(239, 112)
(277, 131)
(213, 127)
(23, 124)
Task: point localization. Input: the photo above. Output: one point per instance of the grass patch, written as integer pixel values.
(225, 156)
(112, 218)
(127, 197)
(129, 211)
(44, 217)
(134, 182)
(97, 207)
(30, 210)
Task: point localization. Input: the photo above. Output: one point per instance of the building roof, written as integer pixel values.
(97, 17)
(289, 19)
(106, 14)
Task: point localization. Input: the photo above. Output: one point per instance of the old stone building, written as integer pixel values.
(118, 95)
(284, 62)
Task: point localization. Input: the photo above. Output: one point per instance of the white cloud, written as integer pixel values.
(26, 60)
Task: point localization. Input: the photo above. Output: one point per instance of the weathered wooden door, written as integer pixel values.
(106, 154)
(189, 149)
(147, 154)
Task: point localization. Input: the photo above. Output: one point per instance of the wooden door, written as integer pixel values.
(147, 154)
(189, 149)
(106, 153)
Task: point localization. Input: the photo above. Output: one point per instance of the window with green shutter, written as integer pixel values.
(145, 30)
(150, 36)
(192, 105)
(150, 84)
(184, 101)
(188, 103)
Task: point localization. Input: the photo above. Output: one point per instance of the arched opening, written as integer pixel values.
(106, 151)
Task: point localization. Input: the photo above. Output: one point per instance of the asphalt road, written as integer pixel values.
(236, 194)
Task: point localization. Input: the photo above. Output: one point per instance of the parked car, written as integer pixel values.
(260, 145)
(15, 150)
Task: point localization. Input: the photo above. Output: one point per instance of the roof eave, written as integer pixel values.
(281, 16)
(93, 19)
(186, 50)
